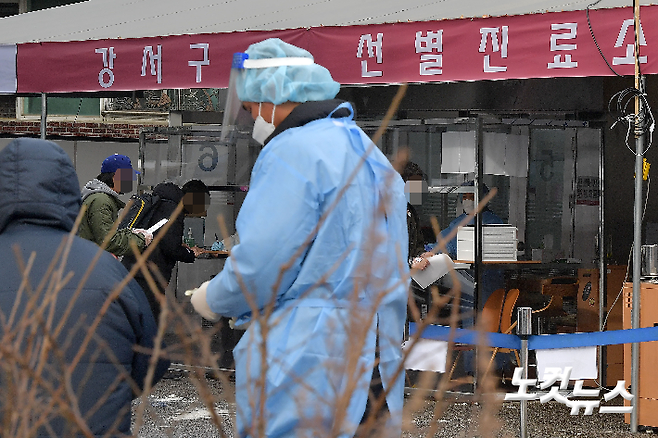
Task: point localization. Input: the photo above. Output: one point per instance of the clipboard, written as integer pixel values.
(439, 265)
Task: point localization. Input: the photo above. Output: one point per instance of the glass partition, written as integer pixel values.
(545, 172)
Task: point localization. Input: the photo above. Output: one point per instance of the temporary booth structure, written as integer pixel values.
(105, 45)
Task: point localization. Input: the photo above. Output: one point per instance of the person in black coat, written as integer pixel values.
(73, 329)
(169, 249)
(413, 172)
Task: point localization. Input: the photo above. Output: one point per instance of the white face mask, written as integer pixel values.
(468, 205)
(263, 129)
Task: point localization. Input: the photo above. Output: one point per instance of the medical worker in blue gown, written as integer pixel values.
(321, 268)
(492, 278)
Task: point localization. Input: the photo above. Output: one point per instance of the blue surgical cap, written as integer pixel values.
(299, 83)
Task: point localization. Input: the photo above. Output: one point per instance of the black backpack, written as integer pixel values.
(140, 210)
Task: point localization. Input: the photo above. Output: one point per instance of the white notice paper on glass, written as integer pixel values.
(439, 266)
(458, 152)
(494, 153)
(516, 155)
(582, 361)
(426, 355)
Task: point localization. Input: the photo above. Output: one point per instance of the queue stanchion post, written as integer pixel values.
(524, 330)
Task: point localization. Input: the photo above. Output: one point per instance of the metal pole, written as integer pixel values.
(477, 287)
(603, 261)
(637, 225)
(635, 310)
(524, 330)
(44, 113)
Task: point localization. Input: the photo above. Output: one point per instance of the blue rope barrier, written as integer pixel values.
(537, 342)
(472, 337)
(612, 337)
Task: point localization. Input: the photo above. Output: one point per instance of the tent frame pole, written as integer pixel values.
(637, 224)
(44, 114)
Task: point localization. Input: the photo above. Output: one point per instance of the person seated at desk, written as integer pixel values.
(468, 205)
(492, 279)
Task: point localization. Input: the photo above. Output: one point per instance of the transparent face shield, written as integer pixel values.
(234, 114)
(233, 104)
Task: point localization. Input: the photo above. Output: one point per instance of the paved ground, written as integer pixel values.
(175, 410)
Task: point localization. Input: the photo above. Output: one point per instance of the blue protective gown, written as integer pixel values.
(323, 248)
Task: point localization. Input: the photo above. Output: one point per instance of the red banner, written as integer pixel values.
(516, 47)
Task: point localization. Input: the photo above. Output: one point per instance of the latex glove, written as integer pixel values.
(243, 326)
(148, 237)
(201, 305)
(421, 262)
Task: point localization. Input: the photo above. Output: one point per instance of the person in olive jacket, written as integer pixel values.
(169, 249)
(74, 346)
(100, 196)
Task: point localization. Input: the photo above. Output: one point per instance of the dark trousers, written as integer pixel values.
(376, 393)
(150, 296)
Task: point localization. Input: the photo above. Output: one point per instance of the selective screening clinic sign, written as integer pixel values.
(515, 47)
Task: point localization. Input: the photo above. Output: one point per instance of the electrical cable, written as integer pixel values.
(75, 119)
(591, 31)
(642, 123)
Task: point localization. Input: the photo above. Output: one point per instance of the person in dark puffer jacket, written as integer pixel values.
(75, 349)
(169, 249)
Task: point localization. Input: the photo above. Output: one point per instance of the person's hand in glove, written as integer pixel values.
(200, 304)
(148, 237)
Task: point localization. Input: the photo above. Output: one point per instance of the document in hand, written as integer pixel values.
(157, 226)
(439, 266)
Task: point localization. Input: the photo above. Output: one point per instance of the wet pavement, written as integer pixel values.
(175, 409)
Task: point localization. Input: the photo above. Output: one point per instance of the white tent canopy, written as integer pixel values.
(112, 19)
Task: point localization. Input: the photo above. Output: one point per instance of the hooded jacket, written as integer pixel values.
(102, 210)
(39, 203)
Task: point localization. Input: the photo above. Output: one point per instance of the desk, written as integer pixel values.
(526, 275)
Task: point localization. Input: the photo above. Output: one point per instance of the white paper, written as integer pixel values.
(157, 226)
(494, 153)
(439, 265)
(516, 155)
(458, 152)
(426, 355)
(582, 360)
